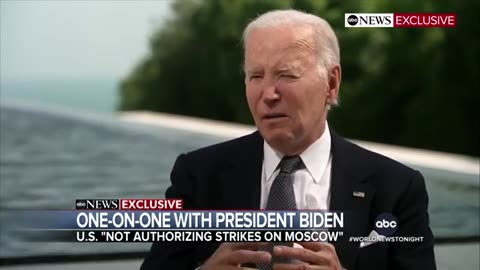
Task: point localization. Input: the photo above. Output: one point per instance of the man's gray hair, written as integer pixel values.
(327, 42)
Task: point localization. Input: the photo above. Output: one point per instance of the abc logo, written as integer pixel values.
(81, 204)
(352, 20)
(386, 224)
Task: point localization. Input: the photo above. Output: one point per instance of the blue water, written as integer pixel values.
(48, 160)
(99, 95)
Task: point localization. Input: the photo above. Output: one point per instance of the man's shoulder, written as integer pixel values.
(230, 148)
(378, 162)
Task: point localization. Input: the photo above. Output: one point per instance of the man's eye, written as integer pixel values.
(254, 77)
(288, 76)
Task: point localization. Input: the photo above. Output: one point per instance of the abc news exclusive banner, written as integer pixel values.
(164, 220)
(401, 20)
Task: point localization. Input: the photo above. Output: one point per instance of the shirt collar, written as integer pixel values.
(315, 157)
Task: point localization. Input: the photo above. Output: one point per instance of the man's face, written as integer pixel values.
(285, 93)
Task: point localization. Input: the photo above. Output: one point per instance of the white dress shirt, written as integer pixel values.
(311, 184)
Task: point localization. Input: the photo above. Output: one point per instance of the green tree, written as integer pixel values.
(414, 87)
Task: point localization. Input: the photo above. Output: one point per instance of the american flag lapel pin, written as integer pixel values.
(359, 194)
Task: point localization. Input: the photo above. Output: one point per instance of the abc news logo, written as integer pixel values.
(368, 19)
(93, 204)
(386, 224)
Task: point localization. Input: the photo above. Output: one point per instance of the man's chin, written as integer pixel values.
(278, 137)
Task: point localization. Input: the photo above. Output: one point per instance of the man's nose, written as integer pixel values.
(271, 93)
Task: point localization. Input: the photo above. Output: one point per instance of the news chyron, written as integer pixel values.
(401, 20)
(128, 204)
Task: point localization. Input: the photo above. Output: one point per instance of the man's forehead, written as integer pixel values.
(280, 43)
(292, 57)
(283, 35)
(303, 44)
(283, 63)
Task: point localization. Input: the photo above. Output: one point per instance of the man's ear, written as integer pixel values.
(334, 79)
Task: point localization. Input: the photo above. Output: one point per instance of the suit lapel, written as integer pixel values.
(350, 174)
(239, 187)
(240, 181)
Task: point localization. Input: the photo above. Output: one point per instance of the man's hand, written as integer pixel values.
(313, 255)
(230, 256)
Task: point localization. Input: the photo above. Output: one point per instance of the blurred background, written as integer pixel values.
(74, 74)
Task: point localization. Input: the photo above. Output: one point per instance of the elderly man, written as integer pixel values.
(294, 161)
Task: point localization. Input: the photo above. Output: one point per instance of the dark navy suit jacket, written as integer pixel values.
(228, 176)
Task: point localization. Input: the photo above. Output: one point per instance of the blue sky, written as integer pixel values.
(75, 39)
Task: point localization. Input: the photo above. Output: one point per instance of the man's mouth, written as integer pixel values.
(274, 115)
